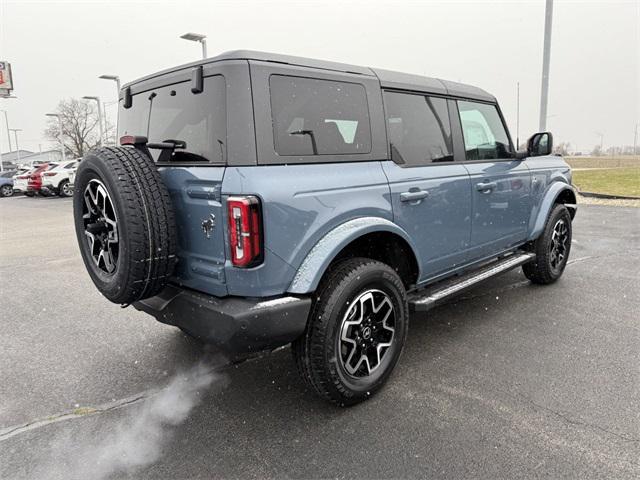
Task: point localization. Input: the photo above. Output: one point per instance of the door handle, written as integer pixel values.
(413, 195)
(486, 187)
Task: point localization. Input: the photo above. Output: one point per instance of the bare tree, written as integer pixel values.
(80, 129)
(597, 151)
(562, 148)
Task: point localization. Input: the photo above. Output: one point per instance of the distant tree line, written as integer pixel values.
(564, 148)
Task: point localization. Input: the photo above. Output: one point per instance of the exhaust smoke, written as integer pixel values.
(136, 440)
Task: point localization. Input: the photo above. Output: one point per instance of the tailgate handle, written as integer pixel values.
(206, 192)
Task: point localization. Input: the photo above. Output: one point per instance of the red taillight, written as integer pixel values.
(245, 233)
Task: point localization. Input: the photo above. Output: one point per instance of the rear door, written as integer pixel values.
(500, 184)
(429, 191)
(194, 174)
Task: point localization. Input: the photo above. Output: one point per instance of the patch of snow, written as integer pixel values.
(274, 302)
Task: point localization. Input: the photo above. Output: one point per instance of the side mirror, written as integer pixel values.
(538, 145)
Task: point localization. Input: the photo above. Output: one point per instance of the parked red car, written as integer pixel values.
(35, 179)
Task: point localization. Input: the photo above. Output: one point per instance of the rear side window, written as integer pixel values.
(485, 137)
(419, 129)
(175, 113)
(319, 117)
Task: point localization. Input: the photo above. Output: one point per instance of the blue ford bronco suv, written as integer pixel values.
(258, 200)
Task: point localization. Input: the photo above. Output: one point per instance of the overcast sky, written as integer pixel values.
(58, 50)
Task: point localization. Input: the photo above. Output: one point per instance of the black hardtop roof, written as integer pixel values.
(388, 78)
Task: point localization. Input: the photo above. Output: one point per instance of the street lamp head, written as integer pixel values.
(109, 77)
(195, 37)
(87, 97)
(57, 115)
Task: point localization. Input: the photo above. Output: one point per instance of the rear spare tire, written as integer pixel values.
(124, 223)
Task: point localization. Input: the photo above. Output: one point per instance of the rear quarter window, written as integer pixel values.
(319, 117)
(175, 113)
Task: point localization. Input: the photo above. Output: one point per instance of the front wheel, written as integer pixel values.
(551, 248)
(6, 190)
(355, 333)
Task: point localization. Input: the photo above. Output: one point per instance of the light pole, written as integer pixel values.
(6, 121)
(517, 115)
(197, 37)
(97, 100)
(546, 56)
(115, 78)
(601, 135)
(59, 117)
(15, 133)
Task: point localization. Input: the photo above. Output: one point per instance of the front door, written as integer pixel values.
(500, 185)
(431, 194)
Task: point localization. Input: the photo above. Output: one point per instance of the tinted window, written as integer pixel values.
(319, 117)
(484, 134)
(178, 114)
(419, 129)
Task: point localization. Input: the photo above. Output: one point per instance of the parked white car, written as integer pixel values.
(57, 180)
(21, 179)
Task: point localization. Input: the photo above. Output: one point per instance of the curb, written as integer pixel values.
(604, 195)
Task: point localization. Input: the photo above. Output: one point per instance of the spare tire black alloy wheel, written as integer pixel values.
(124, 223)
(101, 226)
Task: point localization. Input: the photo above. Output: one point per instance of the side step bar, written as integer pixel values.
(428, 297)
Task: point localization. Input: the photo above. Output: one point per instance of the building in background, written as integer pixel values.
(28, 158)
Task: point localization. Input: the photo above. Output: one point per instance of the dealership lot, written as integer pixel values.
(510, 380)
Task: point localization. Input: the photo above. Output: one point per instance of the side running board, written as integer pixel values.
(428, 297)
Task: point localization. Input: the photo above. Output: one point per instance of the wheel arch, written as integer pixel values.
(558, 192)
(370, 237)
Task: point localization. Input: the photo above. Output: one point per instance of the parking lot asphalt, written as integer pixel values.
(510, 380)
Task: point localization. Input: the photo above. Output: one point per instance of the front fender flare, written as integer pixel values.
(322, 254)
(550, 196)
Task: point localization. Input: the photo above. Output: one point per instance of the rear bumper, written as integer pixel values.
(235, 325)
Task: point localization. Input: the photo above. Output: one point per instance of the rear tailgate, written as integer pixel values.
(168, 109)
(195, 193)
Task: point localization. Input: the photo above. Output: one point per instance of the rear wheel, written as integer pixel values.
(552, 248)
(65, 189)
(124, 224)
(355, 333)
(6, 190)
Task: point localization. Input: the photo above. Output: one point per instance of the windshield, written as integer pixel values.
(175, 113)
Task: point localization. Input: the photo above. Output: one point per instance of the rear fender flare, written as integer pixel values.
(553, 192)
(328, 247)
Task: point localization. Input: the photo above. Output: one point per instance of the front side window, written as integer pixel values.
(175, 113)
(319, 117)
(485, 137)
(419, 129)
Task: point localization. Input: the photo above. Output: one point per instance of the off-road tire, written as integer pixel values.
(540, 270)
(145, 222)
(61, 189)
(6, 191)
(315, 352)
